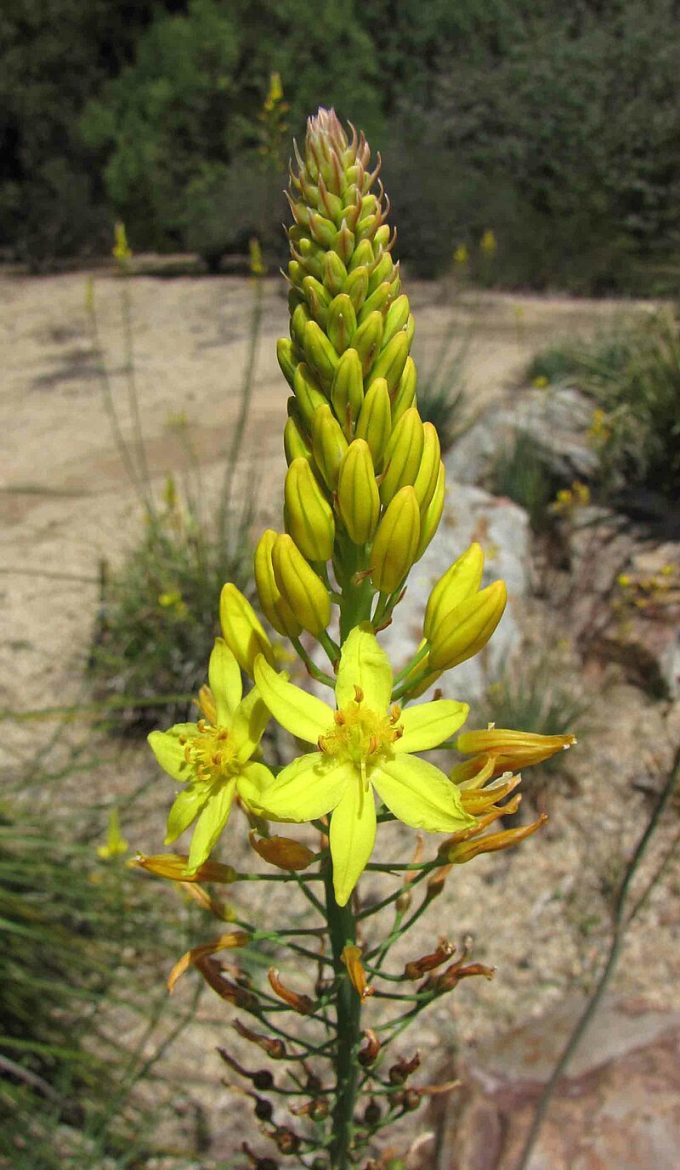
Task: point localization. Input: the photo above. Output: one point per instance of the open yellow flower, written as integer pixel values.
(363, 745)
(213, 757)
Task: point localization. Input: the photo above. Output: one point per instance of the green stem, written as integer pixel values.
(342, 930)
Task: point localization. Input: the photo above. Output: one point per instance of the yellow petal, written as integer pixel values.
(364, 664)
(420, 795)
(210, 824)
(224, 677)
(247, 725)
(308, 788)
(303, 715)
(429, 724)
(352, 837)
(186, 807)
(169, 751)
(253, 780)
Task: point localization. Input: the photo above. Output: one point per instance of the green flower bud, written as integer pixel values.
(430, 516)
(375, 421)
(396, 318)
(328, 444)
(284, 352)
(311, 256)
(347, 390)
(309, 516)
(460, 581)
(317, 299)
(356, 286)
(396, 541)
(274, 607)
(334, 273)
(382, 237)
(383, 270)
(298, 323)
(323, 231)
(307, 393)
(391, 361)
(341, 322)
(403, 455)
(294, 443)
(242, 629)
(304, 592)
(358, 498)
(378, 299)
(464, 631)
(344, 242)
(363, 254)
(296, 273)
(405, 393)
(319, 353)
(426, 479)
(367, 339)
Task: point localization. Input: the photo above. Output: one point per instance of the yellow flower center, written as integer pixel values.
(209, 754)
(358, 733)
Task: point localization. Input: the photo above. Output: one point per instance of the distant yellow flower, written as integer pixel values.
(364, 744)
(488, 244)
(461, 255)
(599, 432)
(122, 253)
(568, 500)
(541, 382)
(115, 842)
(213, 757)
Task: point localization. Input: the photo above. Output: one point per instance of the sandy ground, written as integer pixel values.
(66, 502)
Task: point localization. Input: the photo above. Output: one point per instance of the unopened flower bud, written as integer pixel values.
(358, 498)
(383, 270)
(274, 606)
(403, 455)
(375, 421)
(392, 360)
(299, 321)
(334, 273)
(242, 629)
(309, 516)
(432, 514)
(460, 581)
(363, 256)
(328, 445)
(307, 393)
(317, 298)
(347, 390)
(396, 317)
(464, 851)
(322, 230)
(513, 750)
(341, 322)
(428, 472)
(378, 299)
(356, 287)
(319, 353)
(396, 541)
(284, 352)
(367, 339)
(301, 588)
(405, 393)
(294, 443)
(464, 631)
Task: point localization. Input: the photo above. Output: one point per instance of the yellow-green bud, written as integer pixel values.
(382, 237)
(296, 273)
(396, 318)
(363, 255)
(430, 516)
(294, 443)
(309, 516)
(464, 631)
(396, 541)
(403, 455)
(284, 352)
(328, 444)
(307, 392)
(242, 629)
(298, 323)
(367, 340)
(344, 242)
(317, 299)
(274, 606)
(377, 300)
(356, 286)
(460, 581)
(358, 498)
(334, 273)
(323, 231)
(347, 391)
(391, 361)
(384, 270)
(311, 255)
(302, 589)
(426, 479)
(405, 393)
(319, 353)
(375, 421)
(341, 322)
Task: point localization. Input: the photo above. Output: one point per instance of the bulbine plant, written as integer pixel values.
(364, 494)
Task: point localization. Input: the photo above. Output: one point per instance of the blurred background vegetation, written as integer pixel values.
(554, 124)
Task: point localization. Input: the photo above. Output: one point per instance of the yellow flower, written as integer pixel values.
(115, 842)
(488, 243)
(213, 757)
(362, 745)
(461, 255)
(541, 382)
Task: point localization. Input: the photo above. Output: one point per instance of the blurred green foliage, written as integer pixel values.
(553, 124)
